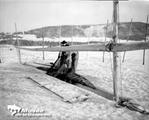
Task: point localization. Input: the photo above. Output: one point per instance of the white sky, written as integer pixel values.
(29, 14)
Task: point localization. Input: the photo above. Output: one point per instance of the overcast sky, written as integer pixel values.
(29, 14)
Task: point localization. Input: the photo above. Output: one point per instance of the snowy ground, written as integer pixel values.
(134, 83)
(134, 77)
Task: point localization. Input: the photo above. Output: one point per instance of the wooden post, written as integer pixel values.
(145, 40)
(72, 35)
(127, 39)
(60, 33)
(88, 36)
(43, 56)
(18, 44)
(105, 40)
(115, 54)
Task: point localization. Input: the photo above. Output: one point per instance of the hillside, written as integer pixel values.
(137, 32)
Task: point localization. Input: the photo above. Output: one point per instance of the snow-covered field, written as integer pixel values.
(134, 83)
(134, 77)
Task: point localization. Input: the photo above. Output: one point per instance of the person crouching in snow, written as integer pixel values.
(65, 66)
(60, 67)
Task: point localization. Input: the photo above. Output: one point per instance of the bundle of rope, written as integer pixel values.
(124, 102)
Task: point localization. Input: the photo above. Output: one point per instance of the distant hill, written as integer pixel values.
(137, 32)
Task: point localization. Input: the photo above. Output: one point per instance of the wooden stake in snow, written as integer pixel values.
(43, 56)
(127, 39)
(115, 53)
(60, 34)
(72, 35)
(18, 44)
(105, 40)
(145, 40)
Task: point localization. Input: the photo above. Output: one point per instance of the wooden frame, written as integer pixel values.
(104, 46)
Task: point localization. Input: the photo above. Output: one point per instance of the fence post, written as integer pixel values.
(115, 53)
(43, 56)
(18, 44)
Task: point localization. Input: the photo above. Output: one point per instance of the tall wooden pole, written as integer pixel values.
(43, 56)
(130, 27)
(105, 39)
(72, 34)
(145, 40)
(60, 34)
(115, 54)
(18, 44)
